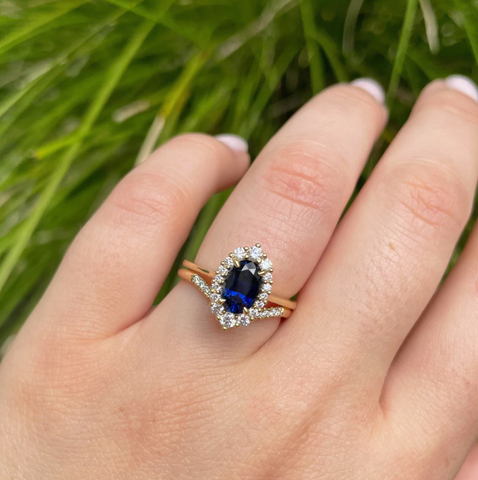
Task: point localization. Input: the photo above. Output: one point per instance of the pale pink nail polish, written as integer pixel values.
(464, 85)
(371, 86)
(234, 142)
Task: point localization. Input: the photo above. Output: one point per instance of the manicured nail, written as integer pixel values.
(464, 85)
(234, 142)
(371, 86)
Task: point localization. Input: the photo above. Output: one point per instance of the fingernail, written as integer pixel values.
(464, 85)
(371, 86)
(234, 142)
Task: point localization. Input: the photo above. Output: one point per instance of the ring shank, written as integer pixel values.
(191, 268)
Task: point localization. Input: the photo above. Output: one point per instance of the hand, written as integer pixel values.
(370, 379)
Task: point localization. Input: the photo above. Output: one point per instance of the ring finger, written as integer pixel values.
(290, 202)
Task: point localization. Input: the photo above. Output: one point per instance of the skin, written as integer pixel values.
(372, 378)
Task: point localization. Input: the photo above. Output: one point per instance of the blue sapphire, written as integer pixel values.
(241, 287)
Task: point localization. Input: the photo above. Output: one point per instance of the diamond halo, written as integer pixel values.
(215, 292)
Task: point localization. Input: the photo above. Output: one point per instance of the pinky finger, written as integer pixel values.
(432, 387)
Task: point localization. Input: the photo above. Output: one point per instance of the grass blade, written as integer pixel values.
(431, 26)
(332, 53)
(173, 100)
(403, 43)
(348, 42)
(253, 29)
(470, 21)
(313, 52)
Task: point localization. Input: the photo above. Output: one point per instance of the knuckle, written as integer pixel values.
(308, 175)
(429, 199)
(149, 200)
(454, 104)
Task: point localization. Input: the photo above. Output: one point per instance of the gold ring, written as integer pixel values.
(240, 291)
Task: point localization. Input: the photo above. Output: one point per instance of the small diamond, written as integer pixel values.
(197, 280)
(255, 253)
(216, 286)
(267, 277)
(243, 320)
(219, 279)
(267, 288)
(266, 264)
(254, 313)
(228, 320)
(263, 296)
(214, 297)
(206, 290)
(222, 270)
(240, 253)
(228, 262)
(217, 309)
(259, 304)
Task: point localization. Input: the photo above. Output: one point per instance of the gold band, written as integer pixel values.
(191, 269)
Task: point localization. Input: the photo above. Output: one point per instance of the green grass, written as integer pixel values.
(89, 88)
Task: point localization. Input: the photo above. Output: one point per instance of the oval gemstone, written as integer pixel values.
(241, 287)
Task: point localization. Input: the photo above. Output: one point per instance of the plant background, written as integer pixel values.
(89, 87)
